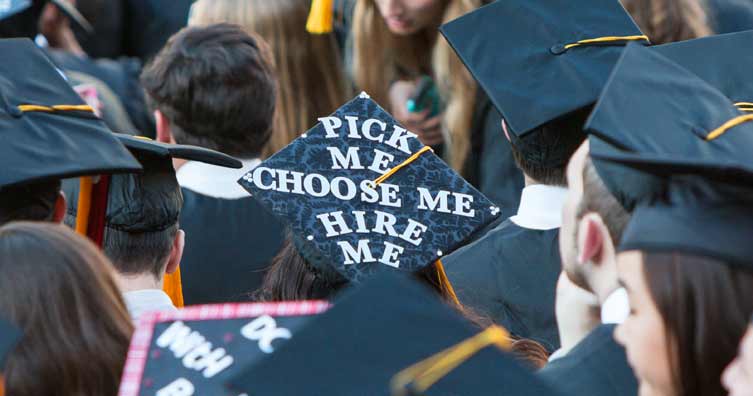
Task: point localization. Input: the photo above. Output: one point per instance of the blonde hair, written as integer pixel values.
(380, 55)
(667, 21)
(309, 68)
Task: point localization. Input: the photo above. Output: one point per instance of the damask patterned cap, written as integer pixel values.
(360, 192)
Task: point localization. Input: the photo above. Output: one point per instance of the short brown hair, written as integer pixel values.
(598, 199)
(59, 290)
(216, 85)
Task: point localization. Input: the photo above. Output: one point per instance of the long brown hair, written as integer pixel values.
(309, 67)
(381, 57)
(59, 290)
(667, 21)
(705, 306)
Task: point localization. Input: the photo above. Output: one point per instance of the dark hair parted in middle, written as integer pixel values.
(543, 153)
(59, 290)
(217, 86)
(29, 202)
(705, 306)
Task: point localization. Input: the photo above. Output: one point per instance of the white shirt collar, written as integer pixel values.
(215, 181)
(540, 207)
(616, 307)
(140, 301)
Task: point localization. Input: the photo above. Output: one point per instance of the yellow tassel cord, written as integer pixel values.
(86, 186)
(173, 287)
(745, 106)
(52, 109)
(321, 18)
(402, 165)
(426, 373)
(729, 125)
(445, 282)
(606, 40)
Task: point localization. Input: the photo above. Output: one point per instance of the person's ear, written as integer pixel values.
(60, 209)
(164, 131)
(590, 238)
(176, 253)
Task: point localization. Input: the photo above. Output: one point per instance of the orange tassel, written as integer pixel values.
(444, 282)
(321, 18)
(85, 189)
(174, 288)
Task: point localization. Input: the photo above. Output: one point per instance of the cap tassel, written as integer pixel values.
(321, 18)
(445, 284)
(86, 185)
(421, 376)
(173, 287)
(98, 210)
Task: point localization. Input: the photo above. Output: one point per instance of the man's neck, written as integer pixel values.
(529, 181)
(128, 283)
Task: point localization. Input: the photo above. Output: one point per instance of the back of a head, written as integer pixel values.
(58, 289)
(29, 202)
(216, 87)
(667, 21)
(542, 154)
(312, 82)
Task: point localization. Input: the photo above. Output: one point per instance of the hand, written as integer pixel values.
(577, 312)
(56, 28)
(428, 129)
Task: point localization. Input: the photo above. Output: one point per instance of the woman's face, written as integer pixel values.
(406, 17)
(738, 377)
(643, 333)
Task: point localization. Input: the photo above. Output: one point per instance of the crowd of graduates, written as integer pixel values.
(376, 197)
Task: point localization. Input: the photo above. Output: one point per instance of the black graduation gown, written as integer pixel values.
(510, 275)
(597, 366)
(490, 166)
(229, 245)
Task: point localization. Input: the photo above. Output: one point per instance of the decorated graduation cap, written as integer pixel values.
(389, 332)
(48, 133)
(28, 11)
(360, 193)
(9, 336)
(147, 202)
(195, 350)
(541, 60)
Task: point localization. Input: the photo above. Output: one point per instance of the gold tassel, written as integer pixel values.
(86, 185)
(445, 282)
(321, 18)
(173, 287)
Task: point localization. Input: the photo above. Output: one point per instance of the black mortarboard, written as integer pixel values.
(197, 349)
(47, 130)
(18, 8)
(9, 336)
(540, 60)
(150, 201)
(360, 193)
(660, 118)
(720, 60)
(697, 217)
(723, 66)
(372, 333)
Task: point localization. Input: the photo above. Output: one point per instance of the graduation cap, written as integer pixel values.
(10, 8)
(48, 133)
(9, 336)
(147, 202)
(724, 67)
(659, 118)
(378, 331)
(196, 349)
(541, 60)
(360, 193)
(720, 61)
(697, 217)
